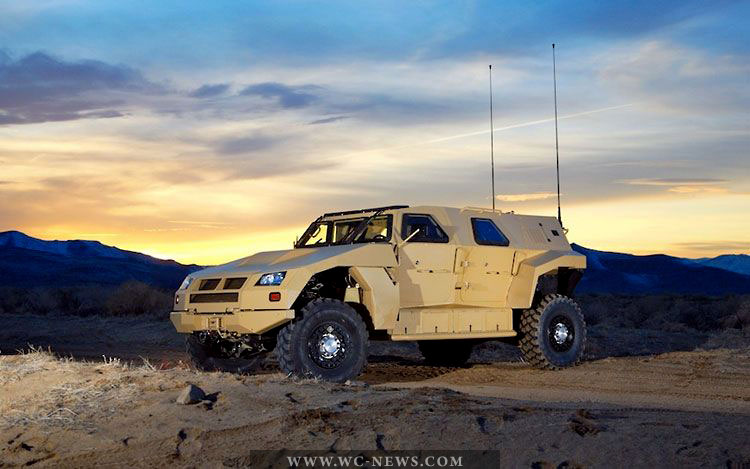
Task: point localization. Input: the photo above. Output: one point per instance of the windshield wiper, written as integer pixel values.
(307, 233)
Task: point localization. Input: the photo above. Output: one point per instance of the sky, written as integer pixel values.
(207, 131)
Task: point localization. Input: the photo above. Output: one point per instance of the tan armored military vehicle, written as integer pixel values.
(447, 278)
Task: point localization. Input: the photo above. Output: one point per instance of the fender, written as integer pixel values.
(523, 285)
(379, 295)
(302, 264)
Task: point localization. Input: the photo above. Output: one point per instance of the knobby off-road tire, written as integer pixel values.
(199, 353)
(205, 357)
(328, 341)
(455, 352)
(553, 335)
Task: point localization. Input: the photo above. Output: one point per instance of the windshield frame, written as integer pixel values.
(346, 239)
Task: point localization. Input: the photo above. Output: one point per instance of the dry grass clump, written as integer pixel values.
(36, 387)
(129, 299)
(35, 360)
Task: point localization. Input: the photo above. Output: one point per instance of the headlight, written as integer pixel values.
(186, 283)
(272, 279)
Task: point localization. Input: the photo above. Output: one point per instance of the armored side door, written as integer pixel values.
(485, 268)
(425, 274)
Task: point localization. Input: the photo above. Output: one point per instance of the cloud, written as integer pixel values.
(328, 120)
(210, 91)
(288, 97)
(715, 246)
(42, 88)
(683, 185)
(263, 155)
(242, 145)
(667, 77)
(697, 189)
(674, 181)
(525, 197)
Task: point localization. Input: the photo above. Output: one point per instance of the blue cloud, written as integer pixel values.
(288, 97)
(42, 88)
(328, 120)
(209, 91)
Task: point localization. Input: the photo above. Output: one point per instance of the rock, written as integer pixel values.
(192, 394)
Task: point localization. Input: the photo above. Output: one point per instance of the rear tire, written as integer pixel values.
(454, 352)
(553, 335)
(328, 341)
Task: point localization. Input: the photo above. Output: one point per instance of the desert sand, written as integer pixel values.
(74, 407)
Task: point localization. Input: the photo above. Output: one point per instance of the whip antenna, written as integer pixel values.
(557, 143)
(492, 144)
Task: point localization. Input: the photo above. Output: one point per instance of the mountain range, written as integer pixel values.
(614, 272)
(30, 262)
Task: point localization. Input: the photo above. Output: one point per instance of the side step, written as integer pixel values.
(452, 323)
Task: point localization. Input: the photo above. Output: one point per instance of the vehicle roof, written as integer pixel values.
(524, 231)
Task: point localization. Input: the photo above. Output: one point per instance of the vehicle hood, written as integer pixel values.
(365, 255)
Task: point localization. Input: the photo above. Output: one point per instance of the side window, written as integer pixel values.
(487, 233)
(429, 230)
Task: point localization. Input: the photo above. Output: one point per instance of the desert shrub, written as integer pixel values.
(131, 298)
(740, 317)
(674, 313)
(12, 299)
(137, 298)
(594, 310)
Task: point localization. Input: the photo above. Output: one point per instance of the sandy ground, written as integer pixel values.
(633, 402)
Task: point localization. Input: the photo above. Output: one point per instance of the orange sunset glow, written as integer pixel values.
(228, 139)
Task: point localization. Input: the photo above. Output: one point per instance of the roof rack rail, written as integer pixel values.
(483, 209)
(365, 210)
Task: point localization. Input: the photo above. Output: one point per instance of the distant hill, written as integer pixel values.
(611, 272)
(739, 263)
(32, 262)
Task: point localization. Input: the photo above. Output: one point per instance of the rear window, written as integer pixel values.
(487, 233)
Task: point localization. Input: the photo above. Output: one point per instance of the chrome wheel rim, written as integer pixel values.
(561, 333)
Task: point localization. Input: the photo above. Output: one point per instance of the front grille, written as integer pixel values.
(234, 283)
(214, 297)
(209, 284)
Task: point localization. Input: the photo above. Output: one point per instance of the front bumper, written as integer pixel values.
(241, 322)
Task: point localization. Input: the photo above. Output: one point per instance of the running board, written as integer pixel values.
(452, 323)
(454, 335)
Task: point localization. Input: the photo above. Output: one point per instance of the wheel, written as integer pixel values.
(211, 355)
(199, 353)
(553, 335)
(328, 341)
(452, 352)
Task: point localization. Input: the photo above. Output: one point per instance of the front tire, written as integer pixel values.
(328, 341)
(553, 335)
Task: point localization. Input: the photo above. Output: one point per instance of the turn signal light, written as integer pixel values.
(274, 296)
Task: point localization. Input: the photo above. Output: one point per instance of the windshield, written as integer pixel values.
(333, 232)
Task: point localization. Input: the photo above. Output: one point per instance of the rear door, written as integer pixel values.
(487, 266)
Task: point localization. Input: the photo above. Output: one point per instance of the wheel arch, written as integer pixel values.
(369, 290)
(564, 267)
